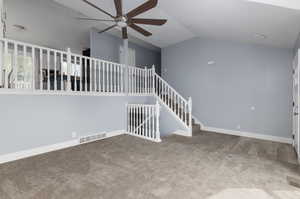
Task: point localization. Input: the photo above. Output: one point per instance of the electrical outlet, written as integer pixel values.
(74, 135)
(252, 108)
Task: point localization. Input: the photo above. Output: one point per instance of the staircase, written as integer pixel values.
(175, 103)
(57, 72)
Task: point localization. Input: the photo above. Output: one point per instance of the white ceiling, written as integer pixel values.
(237, 20)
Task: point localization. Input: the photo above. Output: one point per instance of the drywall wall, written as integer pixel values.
(33, 121)
(107, 47)
(297, 45)
(234, 86)
(47, 23)
(169, 124)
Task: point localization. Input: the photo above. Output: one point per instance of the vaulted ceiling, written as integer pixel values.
(268, 22)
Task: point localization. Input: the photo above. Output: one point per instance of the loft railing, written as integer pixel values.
(34, 69)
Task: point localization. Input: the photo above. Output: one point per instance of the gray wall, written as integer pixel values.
(107, 47)
(27, 122)
(243, 76)
(168, 123)
(297, 45)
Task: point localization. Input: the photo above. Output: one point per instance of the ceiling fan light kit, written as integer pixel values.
(127, 20)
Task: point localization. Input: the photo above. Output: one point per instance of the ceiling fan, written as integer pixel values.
(127, 20)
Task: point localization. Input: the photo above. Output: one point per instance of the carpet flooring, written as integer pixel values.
(206, 166)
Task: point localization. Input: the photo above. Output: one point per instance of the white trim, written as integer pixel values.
(50, 148)
(145, 138)
(183, 133)
(65, 93)
(248, 134)
(36, 151)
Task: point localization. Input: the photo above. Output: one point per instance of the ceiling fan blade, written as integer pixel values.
(106, 29)
(140, 30)
(118, 4)
(142, 8)
(94, 6)
(156, 22)
(91, 19)
(124, 33)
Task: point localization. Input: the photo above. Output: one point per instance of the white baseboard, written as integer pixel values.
(183, 133)
(46, 149)
(248, 134)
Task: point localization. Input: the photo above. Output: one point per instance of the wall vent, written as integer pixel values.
(92, 138)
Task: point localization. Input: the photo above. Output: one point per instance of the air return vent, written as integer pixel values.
(92, 138)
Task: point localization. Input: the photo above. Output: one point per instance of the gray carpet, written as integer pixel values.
(208, 165)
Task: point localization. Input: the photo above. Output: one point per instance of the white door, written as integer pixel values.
(296, 135)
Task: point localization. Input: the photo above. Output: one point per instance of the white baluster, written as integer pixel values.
(80, 74)
(6, 67)
(90, 75)
(147, 120)
(105, 77)
(133, 118)
(145, 79)
(24, 64)
(157, 136)
(16, 64)
(33, 67)
(128, 117)
(135, 80)
(99, 75)
(190, 115)
(55, 70)
(129, 80)
(69, 65)
(95, 75)
(111, 77)
(140, 120)
(153, 79)
(48, 70)
(102, 69)
(75, 73)
(85, 75)
(116, 77)
(122, 83)
(61, 71)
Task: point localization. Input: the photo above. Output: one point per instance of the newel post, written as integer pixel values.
(157, 109)
(190, 102)
(69, 65)
(2, 29)
(153, 79)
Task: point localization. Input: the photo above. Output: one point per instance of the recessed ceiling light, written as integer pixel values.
(260, 36)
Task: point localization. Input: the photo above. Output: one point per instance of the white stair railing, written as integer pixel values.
(179, 106)
(143, 121)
